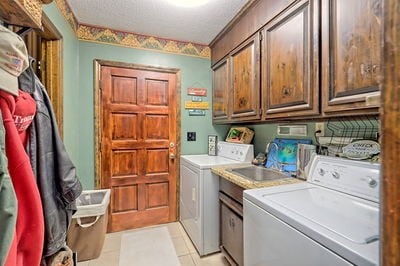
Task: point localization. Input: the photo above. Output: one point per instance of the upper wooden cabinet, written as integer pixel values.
(236, 84)
(319, 58)
(351, 55)
(245, 77)
(220, 91)
(247, 22)
(290, 85)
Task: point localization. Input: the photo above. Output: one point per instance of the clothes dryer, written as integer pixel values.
(199, 203)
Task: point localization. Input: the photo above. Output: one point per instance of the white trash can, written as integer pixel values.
(89, 224)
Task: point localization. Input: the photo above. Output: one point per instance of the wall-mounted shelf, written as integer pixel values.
(27, 13)
(343, 131)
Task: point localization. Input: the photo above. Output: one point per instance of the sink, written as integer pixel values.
(257, 173)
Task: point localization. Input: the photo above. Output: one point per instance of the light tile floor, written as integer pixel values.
(184, 248)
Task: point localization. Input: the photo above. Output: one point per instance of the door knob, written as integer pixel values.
(172, 155)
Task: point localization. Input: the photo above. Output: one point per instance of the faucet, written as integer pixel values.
(276, 164)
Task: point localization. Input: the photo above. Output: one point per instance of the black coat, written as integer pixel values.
(55, 173)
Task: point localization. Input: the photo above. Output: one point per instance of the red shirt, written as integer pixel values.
(25, 110)
(30, 222)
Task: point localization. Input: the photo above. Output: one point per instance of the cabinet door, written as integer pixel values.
(220, 91)
(351, 54)
(290, 65)
(245, 73)
(232, 233)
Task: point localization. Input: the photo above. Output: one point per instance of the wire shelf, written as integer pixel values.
(342, 131)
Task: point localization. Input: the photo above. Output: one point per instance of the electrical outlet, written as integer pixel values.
(191, 136)
(320, 127)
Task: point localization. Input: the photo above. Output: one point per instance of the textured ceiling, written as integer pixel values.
(159, 18)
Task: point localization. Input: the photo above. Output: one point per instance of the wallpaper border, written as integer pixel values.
(129, 39)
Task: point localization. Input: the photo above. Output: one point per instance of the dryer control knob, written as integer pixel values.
(372, 182)
(321, 172)
(336, 175)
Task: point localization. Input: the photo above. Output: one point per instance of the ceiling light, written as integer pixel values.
(188, 3)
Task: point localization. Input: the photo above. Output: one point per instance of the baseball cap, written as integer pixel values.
(13, 60)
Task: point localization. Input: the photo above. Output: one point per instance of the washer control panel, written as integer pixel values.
(356, 178)
(236, 151)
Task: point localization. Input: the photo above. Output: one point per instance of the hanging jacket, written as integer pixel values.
(55, 173)
(30, 224)
(8, 201)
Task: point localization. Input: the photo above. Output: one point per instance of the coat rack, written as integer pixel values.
(22, 32)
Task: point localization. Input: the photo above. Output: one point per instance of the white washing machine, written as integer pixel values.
(199, 204)
(332, 219)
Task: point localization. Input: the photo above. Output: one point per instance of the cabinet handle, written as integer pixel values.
(375, 69)
(286, 91)
(281, 65)
(231, 222)
(193, 194)
(242, 102)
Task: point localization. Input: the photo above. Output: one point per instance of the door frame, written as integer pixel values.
(98, 115)
(390, 150)
(52, 76)
(48, 45)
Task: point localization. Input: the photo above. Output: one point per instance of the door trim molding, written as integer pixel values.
(97, 65)
(390, 131)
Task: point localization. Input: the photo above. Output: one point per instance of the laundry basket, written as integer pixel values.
(89, 224)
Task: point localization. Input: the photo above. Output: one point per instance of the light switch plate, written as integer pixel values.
(191, 136)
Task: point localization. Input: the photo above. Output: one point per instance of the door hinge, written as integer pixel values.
(261, 36)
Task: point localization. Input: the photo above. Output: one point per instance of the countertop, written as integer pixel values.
(249, 184)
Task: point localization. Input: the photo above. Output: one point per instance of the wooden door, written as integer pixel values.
(138, 145)
(221, 91)
(245, 78)
(351, 55)
(290, 63)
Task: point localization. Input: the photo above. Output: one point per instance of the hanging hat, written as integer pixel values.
(13, 60)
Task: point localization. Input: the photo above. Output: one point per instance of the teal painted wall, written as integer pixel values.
(265, 133)
(70, 82)
(78, 59)
(194, 72)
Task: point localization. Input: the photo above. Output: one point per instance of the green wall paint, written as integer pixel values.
(70, 82)
(78, 59)
(265, 133)
(78, 93)
(194, 72)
